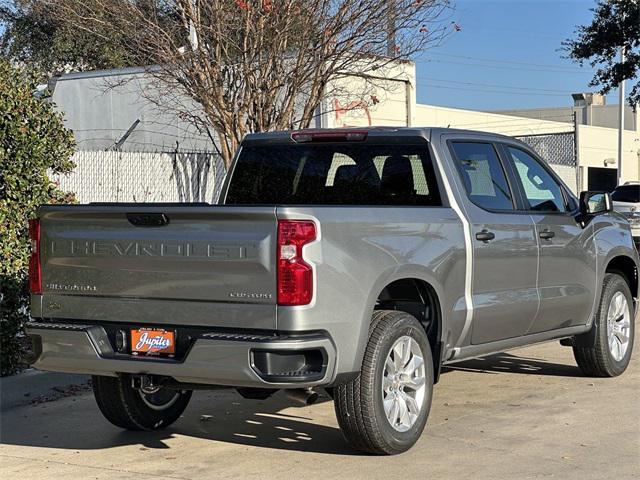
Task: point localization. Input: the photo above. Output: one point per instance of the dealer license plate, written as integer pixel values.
(153, 341)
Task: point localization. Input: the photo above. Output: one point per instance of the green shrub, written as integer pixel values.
(33, 141)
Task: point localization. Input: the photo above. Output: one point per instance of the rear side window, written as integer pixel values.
(626, 193)
(482, 175)
(334, 174)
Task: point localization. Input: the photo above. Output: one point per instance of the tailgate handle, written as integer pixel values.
(148, 219)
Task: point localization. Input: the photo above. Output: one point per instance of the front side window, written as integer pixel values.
(483, 176)
(541, 190)
(334, 174)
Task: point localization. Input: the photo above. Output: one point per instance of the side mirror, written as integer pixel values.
(594, 203)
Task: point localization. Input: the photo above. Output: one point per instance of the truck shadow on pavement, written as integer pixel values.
(265, 424)
(508, 363)
(221, 416)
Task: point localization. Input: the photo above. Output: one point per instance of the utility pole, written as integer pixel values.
(576, 150)
(620, 120)
(391, 29)
(193, 34)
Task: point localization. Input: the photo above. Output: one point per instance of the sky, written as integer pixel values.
(506, 55)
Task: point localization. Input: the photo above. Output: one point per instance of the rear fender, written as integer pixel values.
(385, 278)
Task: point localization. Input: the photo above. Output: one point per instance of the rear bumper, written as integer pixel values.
(217, 358)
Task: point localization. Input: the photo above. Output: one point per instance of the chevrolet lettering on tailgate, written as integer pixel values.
(99, 248)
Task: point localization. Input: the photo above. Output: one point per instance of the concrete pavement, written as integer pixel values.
(528, 413)
(34, 386)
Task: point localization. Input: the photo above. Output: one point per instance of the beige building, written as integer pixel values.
(592, 122)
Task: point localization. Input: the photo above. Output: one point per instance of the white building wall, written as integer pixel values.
(569, 176)
(598, 147)
(383, 97)
(101, 106)
(433, 116)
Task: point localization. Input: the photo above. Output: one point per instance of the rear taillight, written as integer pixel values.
(295, 277)
(35, 272)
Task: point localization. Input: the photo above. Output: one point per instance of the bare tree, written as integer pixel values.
(260, 65)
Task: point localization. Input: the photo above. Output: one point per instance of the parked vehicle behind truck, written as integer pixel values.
(359, 261)
(626, 200)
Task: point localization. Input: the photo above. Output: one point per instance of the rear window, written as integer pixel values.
(334, 174)
(627, 193)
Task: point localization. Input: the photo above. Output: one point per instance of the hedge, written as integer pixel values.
(33, 142)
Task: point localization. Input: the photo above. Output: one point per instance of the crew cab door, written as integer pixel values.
(504, 242)
(566, 270)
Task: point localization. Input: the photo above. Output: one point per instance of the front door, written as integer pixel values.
(505, 247)
(566, 278)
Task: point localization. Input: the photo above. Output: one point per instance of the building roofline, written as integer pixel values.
(108, 73)
(537, 109)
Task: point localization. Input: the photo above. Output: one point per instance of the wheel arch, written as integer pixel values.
(615, 250)
(627, 268)
(418, 293)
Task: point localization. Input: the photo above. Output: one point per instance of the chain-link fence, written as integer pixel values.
(559, 150)
(555, 148)
(111, 176)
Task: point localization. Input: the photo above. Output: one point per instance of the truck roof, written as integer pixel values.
(371, 132)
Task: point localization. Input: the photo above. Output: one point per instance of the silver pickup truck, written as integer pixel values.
(355, 260)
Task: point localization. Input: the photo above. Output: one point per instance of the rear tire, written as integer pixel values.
(605, 351)
(384, 410)
(130, 408)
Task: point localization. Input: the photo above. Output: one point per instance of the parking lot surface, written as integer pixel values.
(527, 413)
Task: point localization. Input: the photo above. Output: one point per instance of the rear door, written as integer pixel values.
(566, 277)
(505, 247)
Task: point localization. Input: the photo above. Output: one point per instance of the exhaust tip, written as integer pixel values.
(312, 397)
(303, 396)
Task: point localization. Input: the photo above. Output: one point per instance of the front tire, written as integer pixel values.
(133, 409)
(605, 351)
(384, 410)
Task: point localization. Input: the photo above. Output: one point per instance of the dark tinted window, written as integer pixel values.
(334, 174)
(540, 189)
(626, 193)
(483, 176)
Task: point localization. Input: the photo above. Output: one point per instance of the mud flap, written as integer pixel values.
(437, 361)
(587, 339)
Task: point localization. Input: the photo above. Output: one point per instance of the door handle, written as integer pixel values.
(485, 236)
(547, 234)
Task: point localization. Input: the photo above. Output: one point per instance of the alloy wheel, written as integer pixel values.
(618, 326)
(403, 383)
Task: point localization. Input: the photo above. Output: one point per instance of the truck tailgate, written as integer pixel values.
(182, 265)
